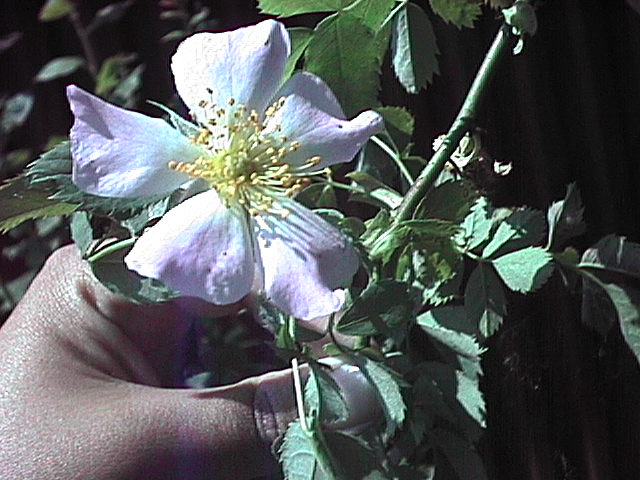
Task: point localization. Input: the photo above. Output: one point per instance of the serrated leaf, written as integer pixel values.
(413, 48)
(112, 273)
(297, 7)
(464, 345)
(298, 455)
(55, 9)
(386, 303)
(449, 201)
(51, 174)
(477, 225)
(399, 124)
(374, 191)
(14, 111)
(372, 12)
(613, 256)
(484, 299)
(462, 13)
(388, 388)
(565, 218)
(343, 53)
(524, 270)
(465, 406)
(59, 67)
(300, 38)
(399, 118)
(322, 394)
(81, 231)
(522, 228)
(20, 203)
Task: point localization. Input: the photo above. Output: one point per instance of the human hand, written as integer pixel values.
(85, 390)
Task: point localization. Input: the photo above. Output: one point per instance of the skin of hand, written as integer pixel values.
(87, 390)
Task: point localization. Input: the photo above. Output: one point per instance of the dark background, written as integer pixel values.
(562, 403)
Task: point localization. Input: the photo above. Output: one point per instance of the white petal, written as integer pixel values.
(313, 89)
(199, 248)
(304, 259)
(245, 64)
(119, 153)
(320, 134)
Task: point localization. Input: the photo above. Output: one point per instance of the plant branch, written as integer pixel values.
(461, 125)
(83, 35)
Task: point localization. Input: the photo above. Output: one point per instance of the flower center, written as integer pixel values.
(244, 164)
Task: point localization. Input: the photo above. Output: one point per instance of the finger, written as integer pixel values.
(106, 430)
(75, 315)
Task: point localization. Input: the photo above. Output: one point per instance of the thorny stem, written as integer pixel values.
(461, 125)
(83, 35)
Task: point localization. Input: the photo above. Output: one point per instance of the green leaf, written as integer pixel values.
(297, 7)
(626, 301)
(14, 111)
(322, 394)
(59, 67)
(460, 454)
(20, 203)
(112, 272)
(462, 344)
(522, 228)
(111, 13)
(300, 38)
(456, 396)
(449, 201)
(111, 72)
(55, 9)
(372, 12)
(615, 257)
(388, 388)
(384, 303)
(298, 455)
(484, 299)
(185, 127)
(374, 191)
(524, 270)
(51, 174)
(565, 218)
(414, 48)
(477, 225)
(399, 118)
(343, 53)
(82, 231)
(462, 13)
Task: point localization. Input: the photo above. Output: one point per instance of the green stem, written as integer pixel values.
(111, 249)
(395, 156)
(85, 42)
(393, 13)
(461, 125)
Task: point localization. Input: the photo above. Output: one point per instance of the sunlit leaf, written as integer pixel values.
(55, 9)
(522, 228)
(19, 204)
(342, 52)
(477, 225)
(296, 7)
(414, 48)
(524, 270)
(59, 67)
(462, 13)
(374, 191)
(372, 12)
